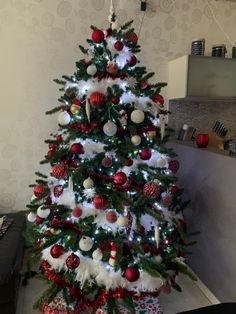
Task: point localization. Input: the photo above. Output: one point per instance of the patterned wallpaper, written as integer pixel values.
(39, 40)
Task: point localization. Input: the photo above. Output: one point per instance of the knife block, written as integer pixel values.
(216, 141)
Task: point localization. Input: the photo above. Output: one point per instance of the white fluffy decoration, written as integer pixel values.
(123, 55)
(89, 193)
(148, 222)
(67, 199)
(102, 222)
(91, 148)
(63, 118)
(102, 273)
(43, 213)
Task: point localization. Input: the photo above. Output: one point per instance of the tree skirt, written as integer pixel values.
(146, 305)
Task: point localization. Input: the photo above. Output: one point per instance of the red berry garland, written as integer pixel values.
(120, 178)
(173, 165)
(72, 261)
(58, 190)
(59, 171)
(57, 250)
(151, 189)
(132, 273)
(100, 202)
(77, 149)
(98, 36)
(97, 99)
(145, 154)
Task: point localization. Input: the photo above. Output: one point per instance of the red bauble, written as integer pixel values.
(100, 202)
(72, 261)
(112, 68)
(55, 222)
(58, 190)
(115, 100)
(98, 36)
(39, 190)
(145, 154)
(151, 189)
(132, 273)
(57, 250)
(111, 216)
(76, 102)
(174, 189)
(72, 163)
(52, 146)
(132, 37)
(132, 61)
(38, 220)
(97, 99)
(173, 165)
(119, 45)
(59, 171)
(158, 99)
(50, 153)
(129, 162)
(59, 138)
(106, 162)
(77, 212)
(120, 178)
(144, 85)
(166, 200)
(202, 140)
(77, 149)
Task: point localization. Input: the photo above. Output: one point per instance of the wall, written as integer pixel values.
(209, 182)
(39, 41)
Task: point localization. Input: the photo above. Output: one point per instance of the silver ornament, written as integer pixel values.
(110, 128)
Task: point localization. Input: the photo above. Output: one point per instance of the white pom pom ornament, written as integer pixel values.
(136, 139)
(110, 128)
(97, 255)
(91, 70)
(137, 116)
(31, 217)
(43, 213)
(63, 118)
(88, 183)
(122, 221)
(85, 244)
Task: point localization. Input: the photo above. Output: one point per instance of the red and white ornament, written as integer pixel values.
(58, 190)
(118, 45)
(57, 250)
(77, 149)
(72, 261)
(111, 216)
(77, 212)
(145, 153)
(100, 202)
(120, 178)
(59, 171)
(151, 189)
(97, 99)
(85, 244)
(132, 273)
(63, 118)
(98, 36)
(112, 258)
(137, 116)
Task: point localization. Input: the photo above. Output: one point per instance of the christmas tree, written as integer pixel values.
(107, 224)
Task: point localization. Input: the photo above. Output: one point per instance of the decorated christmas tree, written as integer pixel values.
(107, 227)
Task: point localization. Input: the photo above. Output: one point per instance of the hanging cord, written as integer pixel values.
(219, 24)
(140, 28)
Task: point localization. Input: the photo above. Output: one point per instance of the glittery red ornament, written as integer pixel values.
(118, 45)
(144, 85)
(52, 146)
(151, 189)
(97, 99)
(57, 250)
(59, 171)
(129, 162)
(77, 212)
(174, 189)
(39, 190)
(145, 154)
(158, 99)
(115, 100)
(132, 37)
(173, 165)
(111, 216)
(58, 190)
(77, 149)
(50, 153)
(59, 138)
(72, 261)
(132, 61)
(106, 162)
(166, 200)
(120, 178)
(132, 273)
(100, 201)
(97, 36)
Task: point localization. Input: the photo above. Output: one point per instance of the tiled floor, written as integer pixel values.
(191, 297)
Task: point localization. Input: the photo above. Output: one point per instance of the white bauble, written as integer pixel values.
(31, 217)
(63, 118)
(136, 139)
(137, 116)
(91, 70)
(158, 259)
(122, 221)
(110, 128)
(85, 244)
(43, 213)
(88, 183)
(161, 162)
(97, 255)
